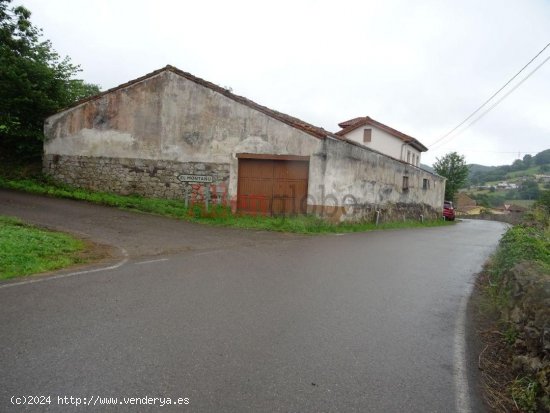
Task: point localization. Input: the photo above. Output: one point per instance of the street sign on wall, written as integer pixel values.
(195, 178)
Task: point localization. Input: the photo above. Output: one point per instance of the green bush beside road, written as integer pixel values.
(516, 287)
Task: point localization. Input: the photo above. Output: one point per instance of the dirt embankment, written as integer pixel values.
(513, 322)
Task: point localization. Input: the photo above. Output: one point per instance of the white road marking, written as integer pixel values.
(55, 277)
(205, 253)
(462, 393)
(151, 261)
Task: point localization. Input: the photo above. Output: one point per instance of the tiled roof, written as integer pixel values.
(352, 124)
(289, 120)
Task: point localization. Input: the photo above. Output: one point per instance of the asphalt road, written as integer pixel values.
(243, 321)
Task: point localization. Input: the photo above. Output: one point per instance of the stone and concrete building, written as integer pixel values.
(172, 135)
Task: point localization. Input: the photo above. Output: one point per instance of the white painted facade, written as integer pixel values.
(386, 143)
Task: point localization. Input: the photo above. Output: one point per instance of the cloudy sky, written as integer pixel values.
(418, 66)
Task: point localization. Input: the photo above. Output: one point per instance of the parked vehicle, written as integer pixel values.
(448, 211)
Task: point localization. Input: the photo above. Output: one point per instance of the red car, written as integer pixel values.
(448, 211)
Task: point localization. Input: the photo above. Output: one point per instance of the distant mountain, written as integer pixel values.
(528, 166)
(474, 167)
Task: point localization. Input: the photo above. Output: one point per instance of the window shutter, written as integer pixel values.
(367, 135)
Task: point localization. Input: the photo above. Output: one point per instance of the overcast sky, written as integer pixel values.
(420, 67)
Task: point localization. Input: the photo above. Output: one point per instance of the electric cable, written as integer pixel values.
(493, 96)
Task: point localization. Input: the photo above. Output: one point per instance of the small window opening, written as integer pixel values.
(367, 135)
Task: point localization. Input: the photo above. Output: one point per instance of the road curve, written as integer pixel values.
(244, 321)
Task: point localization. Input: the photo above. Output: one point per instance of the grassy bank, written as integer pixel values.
(25, 249)
(514, 310)
(218, 215)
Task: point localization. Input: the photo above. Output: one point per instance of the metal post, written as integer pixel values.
(206, 196)
(186, 195)
(377, 217)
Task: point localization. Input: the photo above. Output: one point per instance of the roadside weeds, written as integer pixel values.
(27, 249)
(217, 215)
(513, 317)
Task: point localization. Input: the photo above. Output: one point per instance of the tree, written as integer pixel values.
(35, 82)
(517, 165)
(453, 167)
(529, 189)
(528, 161)
(542, 158)
(544, 201)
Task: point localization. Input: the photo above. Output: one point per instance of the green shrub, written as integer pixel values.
(521, 243)
(524, 393)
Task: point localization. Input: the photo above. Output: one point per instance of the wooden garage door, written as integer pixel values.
(273, 187)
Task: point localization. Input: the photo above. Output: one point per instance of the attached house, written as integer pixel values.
(172, 135)
(375, 135)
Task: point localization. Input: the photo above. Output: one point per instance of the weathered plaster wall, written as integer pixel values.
(347, 175)
(168, 117)
(202, 125)
(125, 123)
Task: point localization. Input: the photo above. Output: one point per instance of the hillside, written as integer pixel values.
(521, 183)
(524, 168)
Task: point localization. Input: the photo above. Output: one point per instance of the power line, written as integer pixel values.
(509, 92)
(514, 152)
(491, 98)
(501, 99)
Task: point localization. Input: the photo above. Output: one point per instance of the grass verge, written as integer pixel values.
(25, 249)
(512, 307)
(218, 215)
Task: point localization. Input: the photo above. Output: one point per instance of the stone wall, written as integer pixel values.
(147, 177)
(353, 183)
(387, 212)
